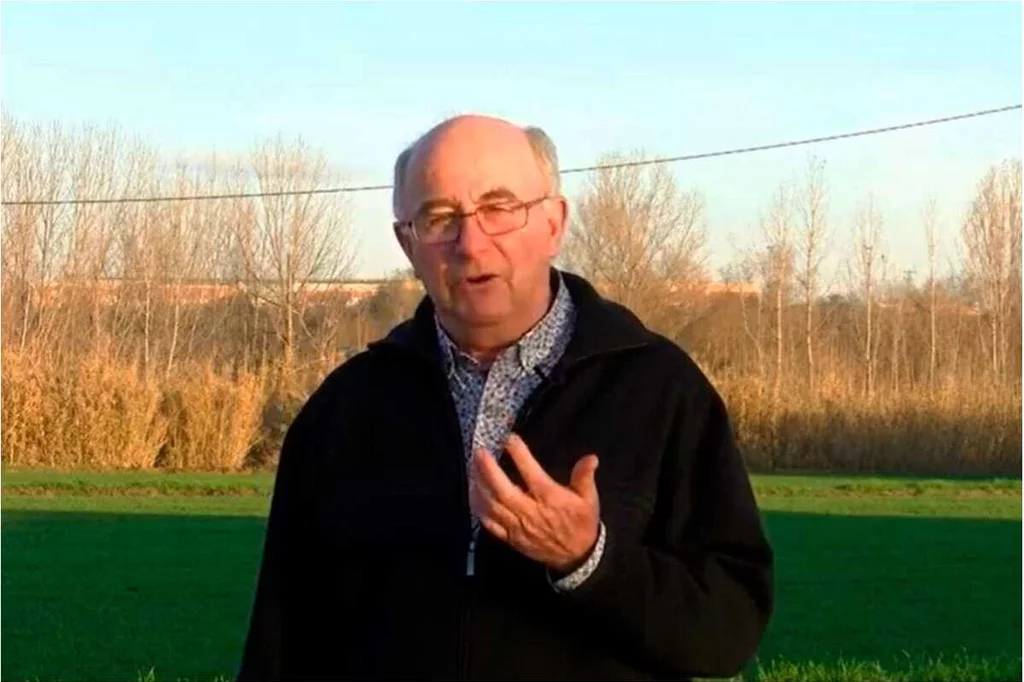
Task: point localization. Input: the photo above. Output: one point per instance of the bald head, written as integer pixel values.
(457, 137)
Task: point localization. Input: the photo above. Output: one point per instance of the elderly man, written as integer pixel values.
(521, 481)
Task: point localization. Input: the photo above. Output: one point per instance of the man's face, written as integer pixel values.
(478, 279)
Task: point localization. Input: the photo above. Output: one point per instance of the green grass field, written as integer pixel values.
(149, 576)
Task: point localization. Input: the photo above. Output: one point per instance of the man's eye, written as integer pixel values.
(497, 209)
(438, 219)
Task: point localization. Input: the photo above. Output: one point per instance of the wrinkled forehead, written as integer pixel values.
(463, 167)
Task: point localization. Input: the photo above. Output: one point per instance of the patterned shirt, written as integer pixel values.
(487, 400)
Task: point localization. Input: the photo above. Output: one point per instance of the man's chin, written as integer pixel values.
(481, 315)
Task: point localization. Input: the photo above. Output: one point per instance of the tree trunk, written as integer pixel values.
(146, 326)
(174, 335)
(808, 343)
(932, 339)
(26, 312)
(994, 326)
(778, 340)
(868, 363)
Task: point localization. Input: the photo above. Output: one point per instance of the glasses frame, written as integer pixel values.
(409, 226)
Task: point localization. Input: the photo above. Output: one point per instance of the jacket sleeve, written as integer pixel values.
(265, 654)
(694, 597)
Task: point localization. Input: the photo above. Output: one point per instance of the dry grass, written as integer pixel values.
(105, 415)
(960, 430)
(96, 415)
(215, 420)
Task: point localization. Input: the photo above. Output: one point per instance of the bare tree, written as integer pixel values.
(992, 242)
(242, 251)
(777, 231)
(20, 178)
(748, 268)
(812, 208)
(641, 239)
(103, 166)
(929, 218)
(868, 254)
(292, 240)
(192, 246)
(141, 251)
(897, 292)
(35, 164)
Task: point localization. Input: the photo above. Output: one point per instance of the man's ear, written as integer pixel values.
(558, 220)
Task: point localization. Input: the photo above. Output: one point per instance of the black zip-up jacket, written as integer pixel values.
(363, 572)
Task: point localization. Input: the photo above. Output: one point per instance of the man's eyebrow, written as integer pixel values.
(440, 202)
(496, 194)
(499, 193)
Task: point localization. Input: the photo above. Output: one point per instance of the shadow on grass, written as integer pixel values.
(106, 595)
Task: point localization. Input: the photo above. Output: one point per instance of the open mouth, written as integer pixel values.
(480, 279)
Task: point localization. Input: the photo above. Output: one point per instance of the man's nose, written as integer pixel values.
(472, 239)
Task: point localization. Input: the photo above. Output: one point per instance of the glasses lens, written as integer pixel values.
(437, 227)
(502, 217)
(494, 219)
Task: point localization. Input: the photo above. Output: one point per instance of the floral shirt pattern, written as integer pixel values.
(487, 400)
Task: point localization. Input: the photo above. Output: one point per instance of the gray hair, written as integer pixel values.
(401, 164)
(543, 150)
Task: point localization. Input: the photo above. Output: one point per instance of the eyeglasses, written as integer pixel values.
(494, 218)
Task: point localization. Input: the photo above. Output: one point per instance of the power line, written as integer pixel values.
(567, 171)
(796, 143)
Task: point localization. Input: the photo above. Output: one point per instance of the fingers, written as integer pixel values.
(493, 515)
(536, 479)
(489, 476)
(495, 528)
(583, 479)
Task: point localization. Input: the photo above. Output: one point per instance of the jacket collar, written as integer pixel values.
(602, 326)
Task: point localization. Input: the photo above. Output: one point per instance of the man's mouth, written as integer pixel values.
(480, 279)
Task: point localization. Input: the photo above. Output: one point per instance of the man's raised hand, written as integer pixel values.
(553, 524)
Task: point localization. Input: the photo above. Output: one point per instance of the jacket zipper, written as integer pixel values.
(455, 432)
(556, 378)
(469, 593)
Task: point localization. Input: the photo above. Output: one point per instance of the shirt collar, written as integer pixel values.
(532, 350)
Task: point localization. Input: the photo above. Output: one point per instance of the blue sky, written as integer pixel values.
(362, 80)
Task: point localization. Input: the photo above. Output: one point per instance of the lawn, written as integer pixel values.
(148, 575)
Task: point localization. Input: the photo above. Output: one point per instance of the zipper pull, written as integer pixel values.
(471, 559)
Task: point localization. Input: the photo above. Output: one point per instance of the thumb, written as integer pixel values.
(583, 480)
